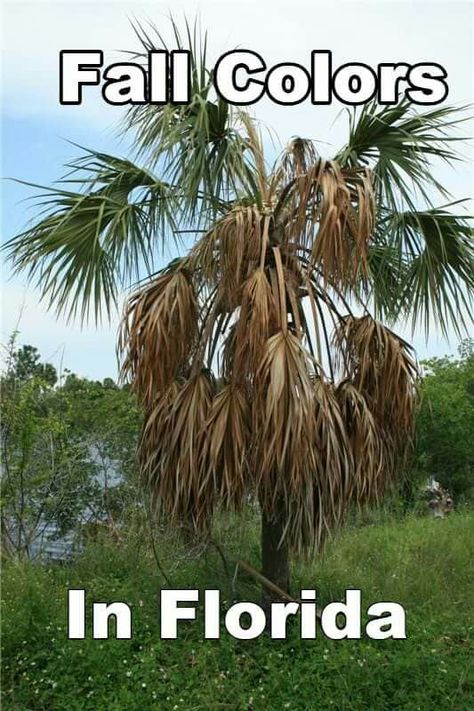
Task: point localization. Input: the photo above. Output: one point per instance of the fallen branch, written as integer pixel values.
(269, 585)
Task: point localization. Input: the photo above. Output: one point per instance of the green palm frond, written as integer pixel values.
(421, 267)
(439, 279)
(199, 145)
(91, 241)
(400, 145)
(382, 286)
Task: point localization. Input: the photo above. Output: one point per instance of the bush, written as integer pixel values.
(445, 422)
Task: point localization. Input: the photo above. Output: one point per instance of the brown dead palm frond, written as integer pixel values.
(382, 368)
(334, 463)
(283, 455)
(331, 211)
(227, 444)
(158, 331)
(255, 145)
(367, 481)
(342, 211)
(298, 157)
(174, 464)
(154, 435)
(226, 256)
(258, 320)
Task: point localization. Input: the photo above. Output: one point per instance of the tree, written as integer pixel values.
(47, 475)
(68, 452)
(105, 417)
(445, 422)
(229, 347)
(25, 362)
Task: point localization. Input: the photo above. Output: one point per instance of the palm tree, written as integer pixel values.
(259, 354)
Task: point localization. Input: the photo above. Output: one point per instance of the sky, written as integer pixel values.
(36, 128)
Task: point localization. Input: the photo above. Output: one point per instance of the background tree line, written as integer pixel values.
(445, 422)
(68, 451)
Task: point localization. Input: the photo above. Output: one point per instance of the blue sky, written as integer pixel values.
(35, 127)
(34, 150)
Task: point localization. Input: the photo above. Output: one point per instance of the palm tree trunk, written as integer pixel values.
(275, 555)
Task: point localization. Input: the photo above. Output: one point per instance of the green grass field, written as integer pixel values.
(427, 565)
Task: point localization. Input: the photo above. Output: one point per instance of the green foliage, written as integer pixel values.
(87, 239)
(400, 144)
(61, 448)
(423, 563)
(434, 248)
(25, 363)
(445, 421)
(47, 477)
(107, 418)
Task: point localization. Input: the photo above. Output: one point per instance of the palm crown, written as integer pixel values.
(259, 355)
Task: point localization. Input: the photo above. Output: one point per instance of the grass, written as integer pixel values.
(427, 565)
